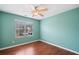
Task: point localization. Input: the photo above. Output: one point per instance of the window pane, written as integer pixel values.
(23, 29)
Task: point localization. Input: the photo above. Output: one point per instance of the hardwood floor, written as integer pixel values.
(36, 48)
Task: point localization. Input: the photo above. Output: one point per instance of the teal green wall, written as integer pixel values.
(0, 29)
(62, 29)
(8, 30)
(0, 26)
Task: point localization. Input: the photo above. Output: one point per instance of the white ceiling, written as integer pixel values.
(25, 9)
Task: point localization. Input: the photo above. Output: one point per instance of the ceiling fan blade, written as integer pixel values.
(43, 9)
(38, 11)
(41, 14)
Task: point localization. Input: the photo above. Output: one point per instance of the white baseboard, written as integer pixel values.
(42, 41)
(18, 45)
(60, 47)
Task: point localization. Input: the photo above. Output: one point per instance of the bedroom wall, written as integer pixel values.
(8, 30)
(62, 29)
(0, 29)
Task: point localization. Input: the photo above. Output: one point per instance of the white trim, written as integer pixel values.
(24, 23)
(18, 45)
(42, 41)
(60, 47)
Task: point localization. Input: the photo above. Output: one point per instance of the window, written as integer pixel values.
(23, 28)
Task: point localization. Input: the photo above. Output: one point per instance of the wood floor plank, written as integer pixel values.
(36, 48)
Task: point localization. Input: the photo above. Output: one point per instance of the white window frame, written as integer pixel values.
(25, 23)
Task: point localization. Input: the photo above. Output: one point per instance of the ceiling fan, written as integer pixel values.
(38, 11)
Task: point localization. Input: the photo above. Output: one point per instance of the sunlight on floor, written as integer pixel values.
(28, 51)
